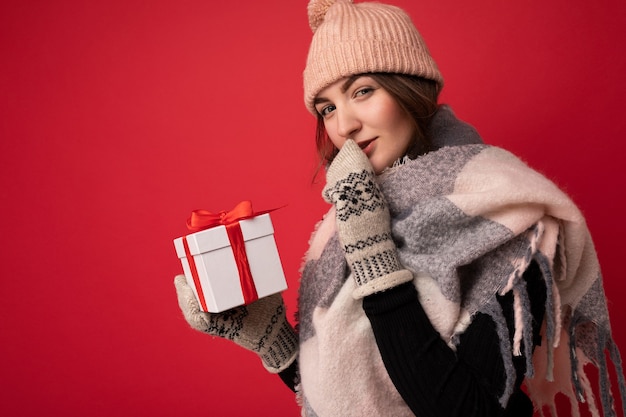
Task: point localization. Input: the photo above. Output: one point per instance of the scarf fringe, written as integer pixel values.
(552, 312)
(494, 310)
(580, 388)
(582, 391)
(528, 333)
(616, 359)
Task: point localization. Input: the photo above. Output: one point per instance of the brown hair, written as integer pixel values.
(416, 96)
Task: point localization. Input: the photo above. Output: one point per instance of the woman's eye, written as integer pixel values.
(363, 91)
(325, 111)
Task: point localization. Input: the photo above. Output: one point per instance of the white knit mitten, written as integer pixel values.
(363, 222)
(261, 326)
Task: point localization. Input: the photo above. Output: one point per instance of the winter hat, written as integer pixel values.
(351, 39)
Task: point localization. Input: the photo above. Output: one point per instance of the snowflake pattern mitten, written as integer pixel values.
(363, 222)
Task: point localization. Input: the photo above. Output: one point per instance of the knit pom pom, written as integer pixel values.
(317, 10)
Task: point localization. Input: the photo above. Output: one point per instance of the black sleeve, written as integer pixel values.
(433, 379)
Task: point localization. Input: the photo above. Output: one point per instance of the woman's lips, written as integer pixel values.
(367, 146)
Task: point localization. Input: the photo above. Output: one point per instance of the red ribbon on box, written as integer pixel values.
(202, 220)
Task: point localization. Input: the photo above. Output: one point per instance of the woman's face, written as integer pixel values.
(360, 109)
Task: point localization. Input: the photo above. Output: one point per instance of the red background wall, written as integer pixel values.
(119, 117)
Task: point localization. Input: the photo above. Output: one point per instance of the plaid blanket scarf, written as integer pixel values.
(468, 220)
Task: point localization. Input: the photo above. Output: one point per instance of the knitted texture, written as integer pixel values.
(363, 222)
(361, 38)
(261, 327)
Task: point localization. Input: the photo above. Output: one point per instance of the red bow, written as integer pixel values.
(204, 219)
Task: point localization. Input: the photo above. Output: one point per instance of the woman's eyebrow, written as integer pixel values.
(349, 82)
(318, 100)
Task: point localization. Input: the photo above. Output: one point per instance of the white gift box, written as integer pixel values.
(217, 272)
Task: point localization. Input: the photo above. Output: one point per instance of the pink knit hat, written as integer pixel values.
(351, 39)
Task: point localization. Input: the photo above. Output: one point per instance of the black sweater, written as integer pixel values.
(433, 379)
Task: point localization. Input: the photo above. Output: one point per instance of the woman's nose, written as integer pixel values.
(347, 123)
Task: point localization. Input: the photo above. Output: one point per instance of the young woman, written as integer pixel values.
(446, 273)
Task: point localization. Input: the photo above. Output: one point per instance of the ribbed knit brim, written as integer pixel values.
(362, 38)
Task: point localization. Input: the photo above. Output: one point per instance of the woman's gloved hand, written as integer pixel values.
(261, 326)
(363, 222)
